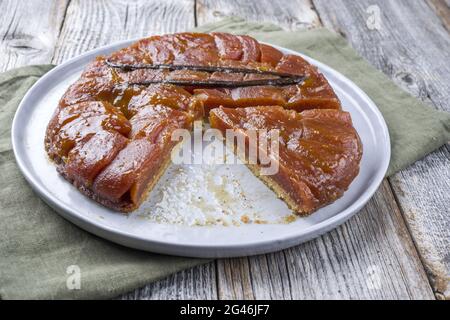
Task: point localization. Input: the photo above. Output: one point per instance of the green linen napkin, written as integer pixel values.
(38, 247)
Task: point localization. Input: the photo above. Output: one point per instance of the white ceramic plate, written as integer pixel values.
(172, 232)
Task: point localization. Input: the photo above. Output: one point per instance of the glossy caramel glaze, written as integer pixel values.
(111, 138)
(319, 150)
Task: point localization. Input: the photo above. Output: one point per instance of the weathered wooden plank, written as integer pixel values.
(413, 48)
(90, 24)
(195, 284)
(442, 9)
(257, 277)
(293, 14)
(370, 257)
(29, 31)
(93, 23)
(234, 280)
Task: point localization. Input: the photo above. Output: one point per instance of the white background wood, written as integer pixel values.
(291, 14)
(412, 47)
(442, 9)
(374, 255)
(29, 31)
(369, 257)
(93, 23)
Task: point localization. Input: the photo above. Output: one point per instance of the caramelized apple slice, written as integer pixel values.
(228, 45)
(199, 49)
(97, 83)
(167, 95)
(270, 55)
(250, 49)
(78, 123)
(134, 162)
(138, 166)
(319, 151)
(86, 160)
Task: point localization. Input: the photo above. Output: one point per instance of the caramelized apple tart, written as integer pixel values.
(110, 135)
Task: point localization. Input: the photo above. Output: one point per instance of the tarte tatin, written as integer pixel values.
(110, 135)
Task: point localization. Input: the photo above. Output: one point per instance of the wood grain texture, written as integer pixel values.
(413, 48)
(29, 31)
(370, 257)
(198, 283)
(292, 14)
(442, 9)
(93, 23)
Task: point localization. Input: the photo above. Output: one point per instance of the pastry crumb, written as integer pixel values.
(290, 218)
(258, 221)
(245, 219)
(211, 195)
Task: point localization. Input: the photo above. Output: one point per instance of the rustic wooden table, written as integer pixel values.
(397, 247)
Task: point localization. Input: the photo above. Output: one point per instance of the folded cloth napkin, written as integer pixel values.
(38, 247)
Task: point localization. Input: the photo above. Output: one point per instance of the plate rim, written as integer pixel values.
(205, 250)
